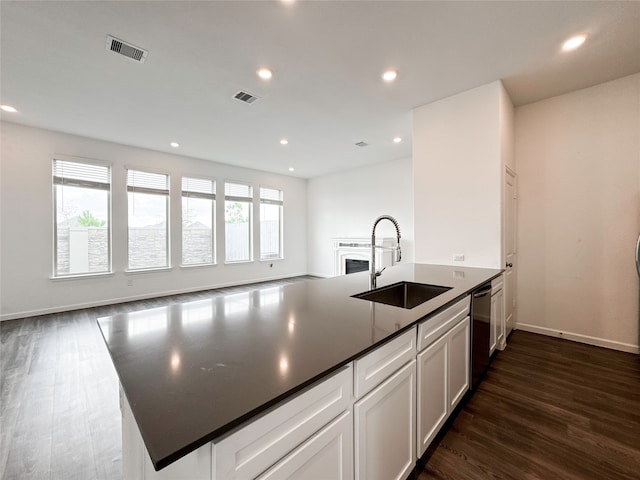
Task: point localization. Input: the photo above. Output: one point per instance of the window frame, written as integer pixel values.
(81, 183)
(280, 203)
(214, 216)
(250, 201)
(152, 191)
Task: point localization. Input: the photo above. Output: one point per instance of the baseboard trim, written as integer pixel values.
(133, 298)
(576, 337)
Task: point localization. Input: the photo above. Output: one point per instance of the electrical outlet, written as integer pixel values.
(458, 257)
(129, 283)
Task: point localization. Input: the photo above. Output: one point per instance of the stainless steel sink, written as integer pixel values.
(403, 294)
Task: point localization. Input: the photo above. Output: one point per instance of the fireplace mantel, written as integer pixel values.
(360, 249)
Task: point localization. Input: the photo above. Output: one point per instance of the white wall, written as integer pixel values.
(507, 131)
(458, 156)
(26, 236)
(346, 204)
(578, 158)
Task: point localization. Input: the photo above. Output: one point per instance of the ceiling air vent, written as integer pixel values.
(245, 97)
(361, 144)
(123, 48)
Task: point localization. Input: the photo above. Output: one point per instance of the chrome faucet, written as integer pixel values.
(374, 274)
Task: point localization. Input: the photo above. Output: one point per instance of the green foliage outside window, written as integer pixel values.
(88, 220)
(235, 213)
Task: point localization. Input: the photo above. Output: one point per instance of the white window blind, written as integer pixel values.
(81, 174)
(147, 182)
(238, 192)
(198, 188)
(271, 196)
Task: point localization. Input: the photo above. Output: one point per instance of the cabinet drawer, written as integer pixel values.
(375, 367)
(249, 451)
(437, 325)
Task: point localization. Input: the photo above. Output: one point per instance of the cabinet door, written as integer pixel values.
(493, 327)
(500, 320)
(385, 428)
(432, 392)
(328, 454)
(458, 362)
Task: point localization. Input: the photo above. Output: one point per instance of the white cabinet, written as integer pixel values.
(458, 362)
(326, 455)
(498, 327)
(433, 403)
(256, 447)
(443, 370)
(385, 427)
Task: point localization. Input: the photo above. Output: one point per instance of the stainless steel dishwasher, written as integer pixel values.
(481, 331)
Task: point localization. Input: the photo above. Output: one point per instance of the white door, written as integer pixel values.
(510, 219)
(385, 428)
(328, 454)
(433, 398)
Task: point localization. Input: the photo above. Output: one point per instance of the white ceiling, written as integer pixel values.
(327, 57)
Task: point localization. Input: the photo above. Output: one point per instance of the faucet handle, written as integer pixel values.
(379, 272)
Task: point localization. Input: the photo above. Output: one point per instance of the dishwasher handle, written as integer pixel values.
(482, 292)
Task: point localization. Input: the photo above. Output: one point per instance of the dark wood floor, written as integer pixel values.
(547, 409)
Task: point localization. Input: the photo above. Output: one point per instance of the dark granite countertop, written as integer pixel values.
(193, 372)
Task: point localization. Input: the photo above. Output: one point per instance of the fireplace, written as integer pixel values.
(354, 265)
(353, 254)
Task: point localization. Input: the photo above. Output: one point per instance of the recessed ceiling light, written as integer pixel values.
(397, 140)
(264, 73)
(573, 43)
(291, 169)
(174, 144)
(8, 108)
(284, 141)
(389, 75)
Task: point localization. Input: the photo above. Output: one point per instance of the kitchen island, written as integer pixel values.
(194, 373)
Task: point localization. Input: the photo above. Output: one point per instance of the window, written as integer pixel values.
(148, 226)
(270, 223)
(198, 210)
(238, 204)
(82, 224)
